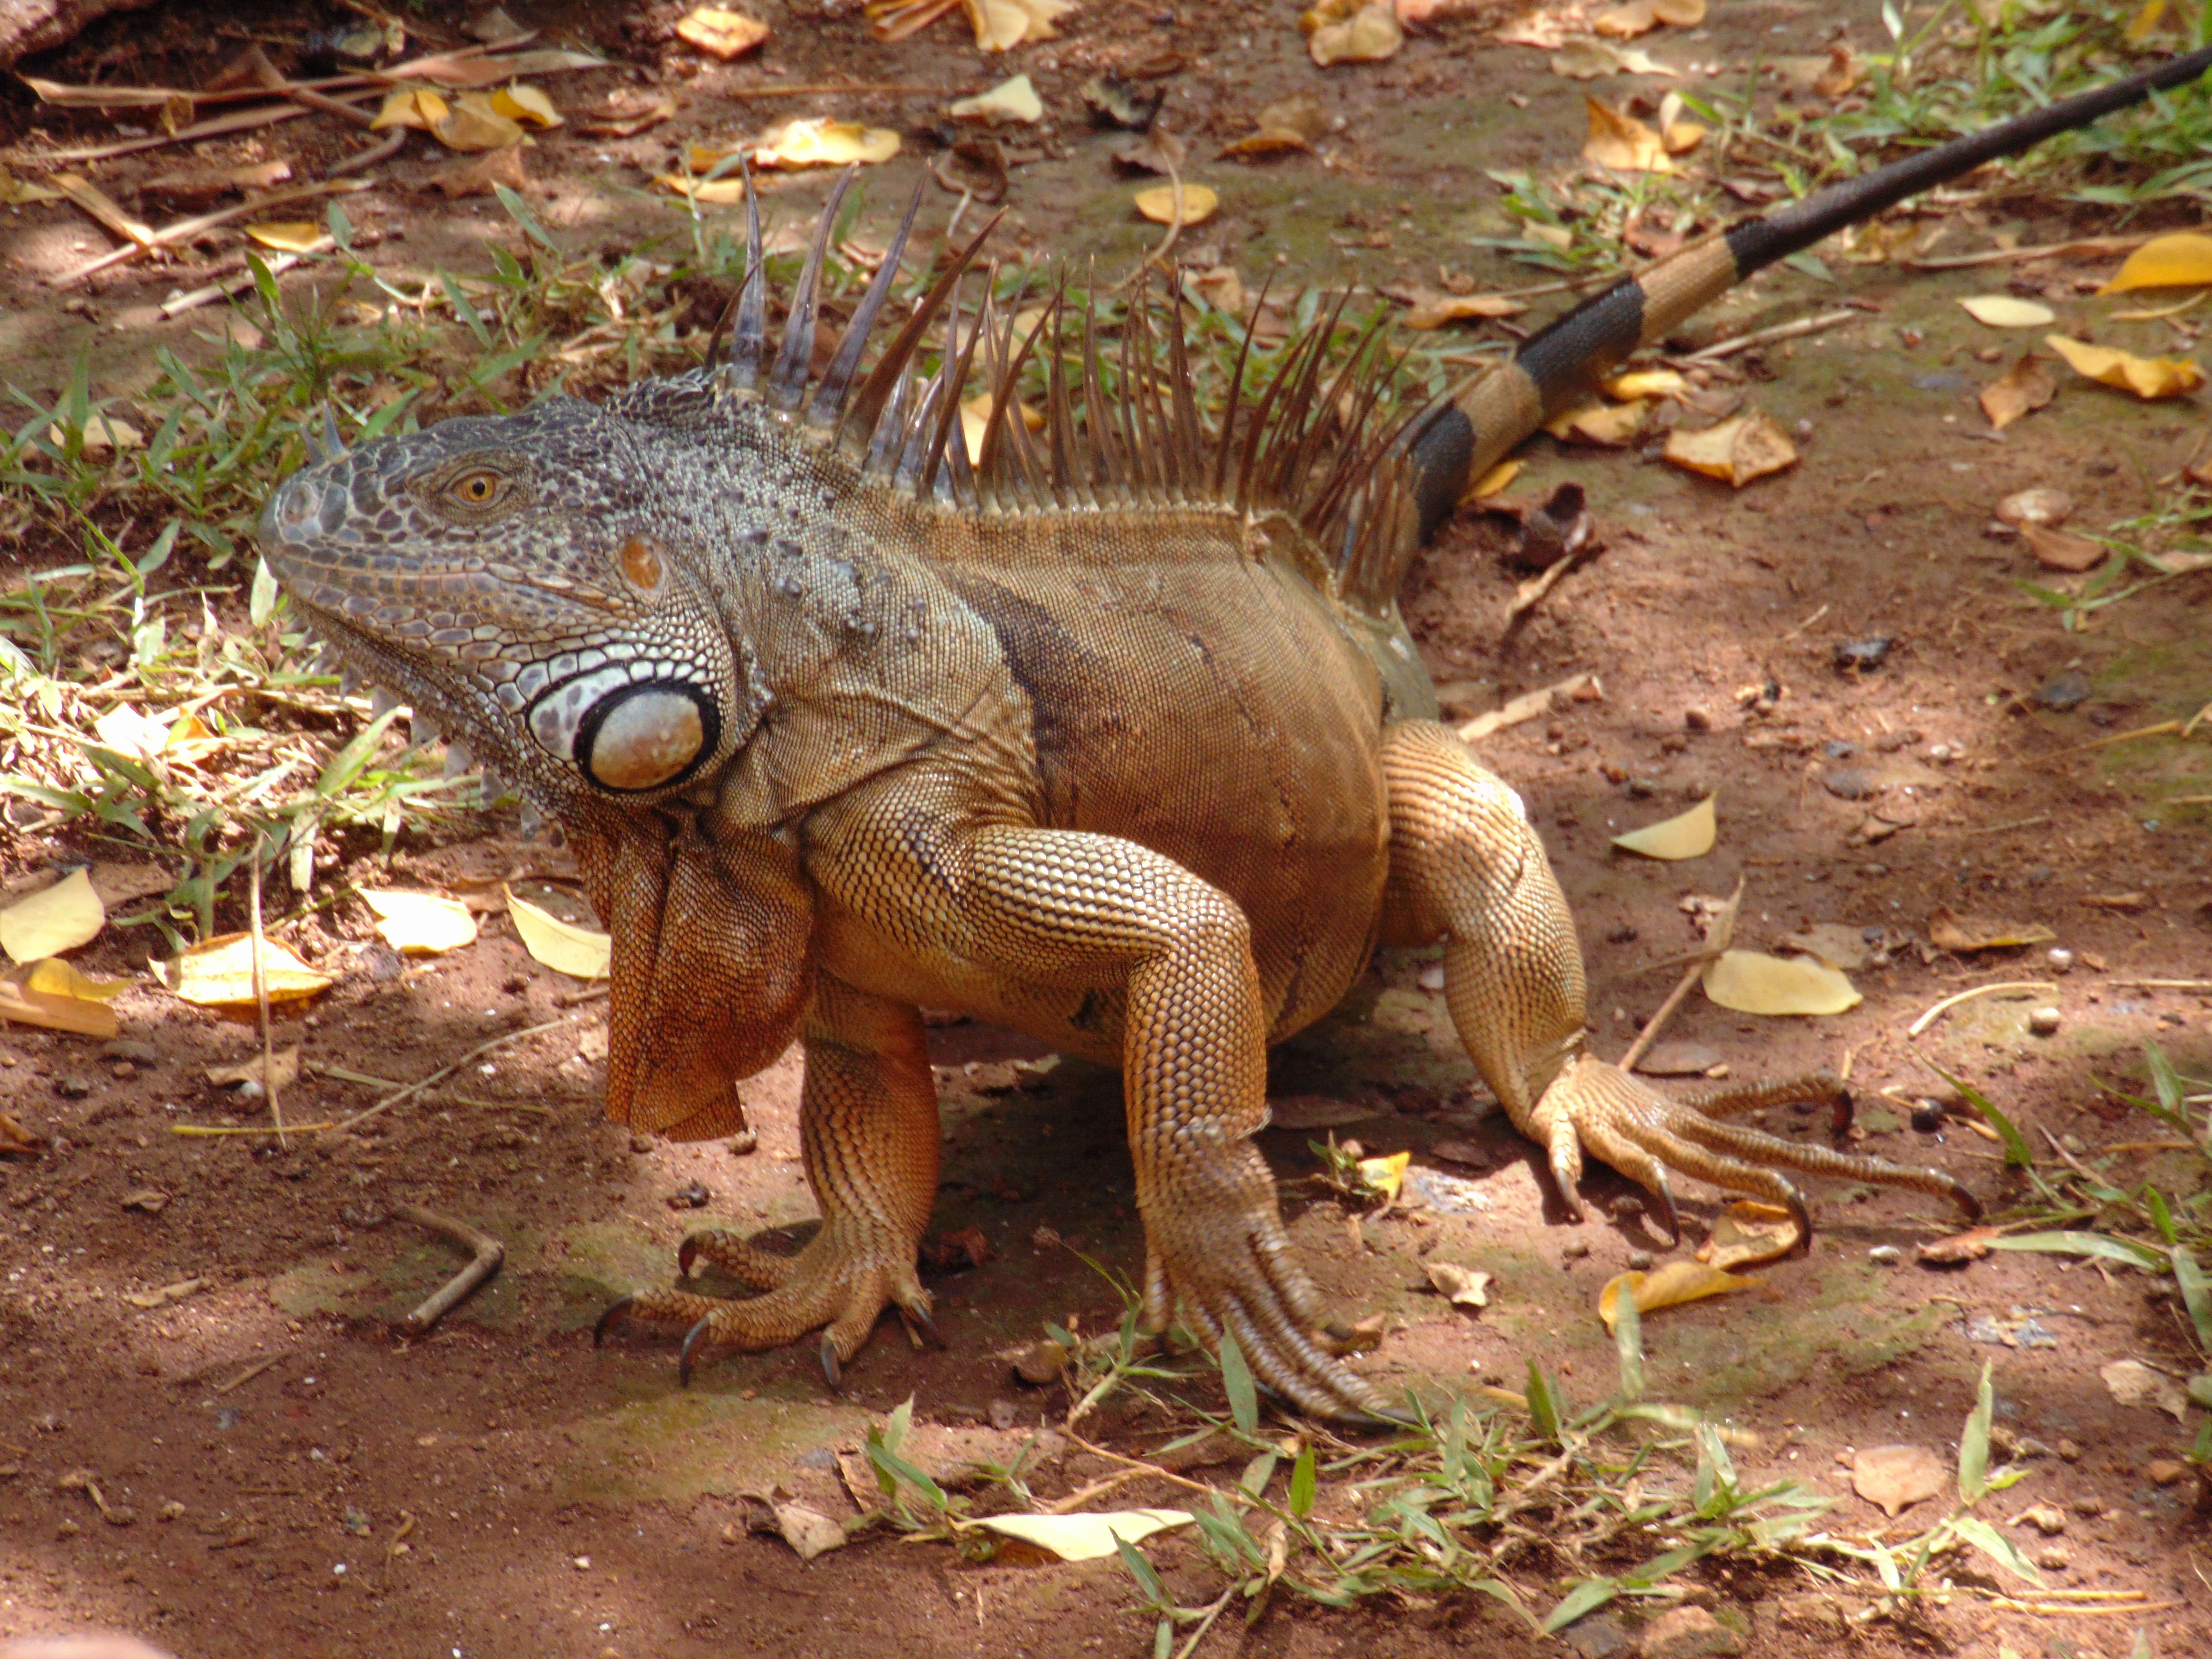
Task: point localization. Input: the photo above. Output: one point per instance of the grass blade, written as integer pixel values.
(1237, 1380)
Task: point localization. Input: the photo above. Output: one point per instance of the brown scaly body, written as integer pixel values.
(1115, 738)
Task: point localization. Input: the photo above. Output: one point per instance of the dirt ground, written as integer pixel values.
(298, 1478)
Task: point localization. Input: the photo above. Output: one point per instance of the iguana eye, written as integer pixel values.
(479, 489)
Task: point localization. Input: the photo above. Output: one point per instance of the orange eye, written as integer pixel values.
(640, 563)
(475, 488)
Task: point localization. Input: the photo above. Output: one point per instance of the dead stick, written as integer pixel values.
(185, 229)
(383, 150)
(1724, 925)
(1802, 326)
(261, 1000)
(489, 1254)
(251, 1372)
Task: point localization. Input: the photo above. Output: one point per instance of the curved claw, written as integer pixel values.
(692, 1339)
(1962, 1196)
(1662, 1202)
(686, 1253)
(832, 1369)
(918, 1319)
(615, 1309)
(1798, 1213)
(1845, 1110)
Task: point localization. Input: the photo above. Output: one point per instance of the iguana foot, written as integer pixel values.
(842, 1282)
(1643, 1134)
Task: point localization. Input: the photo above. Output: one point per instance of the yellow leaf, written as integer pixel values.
(282, 1070)
(1492, 482)
(721, 32)
(1736, 450)
(128, 731)
(819, 141)
(1371, 34)
(1452, 307)
(1898, 1477)
(1086, 1537)
(1752, 982)
(1386, 1175)
(719, 192)
(520, 103)
(1688, 834)
(52, 920)
(1646, 383)
(23, 1001)
(2145, 22)
(422, 924)
(218, 973)
(1675, 1283)
(2146, 377)
(1007, 104)
(1622, 142)
(102, 434)
(2007, 311)
(474, 125)
(1610, 424)
(1747, 1233)
(2020, 389)
(1157, 203)
(287, 235)
(57, 978)
(561, 945)
(20, 192)
(1950, 932)
(412, 106)
(2181, 259)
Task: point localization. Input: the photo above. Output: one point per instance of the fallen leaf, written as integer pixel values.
(52, 920)
(1436, 310)
(166, 1294)
(482, 175)
(1464, 1287)
(218, 973)
(1897, 1477)
(2023, 388)
(1086, 1537)
(1752, 982)
(452, 69)
(288, 236)
(422, 924)
(1671, 1284)
(2060, 549)
(1612, 426)
(1678, 1060)
(20, 192)
(819, 141)
(2181, 259)
(2147, 378)
(561, 945)
(1494, 481)
(1157, 203)
(25, 1003)
(809, 1532)
(1646, 383)
(15, 1140)
(721, 32)
(1588, 60)
(54, 978)
(1842, 948)
(2007, 311)
(1343, 32)
(1746, 1234)
(102, 433)
(412, 106)
(1320, 1112)
(474, 125)
(520, 103)
(1688, 834)
(1009, 103)
(1386, 1175)
(1622, 142)
(1530, 704)
(1460, 1151)
(1959, 1249)
(1842, 73)
(628, 114)
(1641, 16)
(283, 1068)
(151, 1200)
(1736, 450)
(1002, 25)
(2037, 506)
(1220, 287)
(1949, 931)
(2134, 1383)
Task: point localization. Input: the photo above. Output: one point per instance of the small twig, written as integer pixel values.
(383, 150)
(2002, 828)
(185, 229)
(1723, 925)
(1802, 326)
(1807, 623)
(441, 1075)
(1207, 1623)
(489, 1254)
(810, 88)
(252, 1371)
(2025, 987)
(2167, 984)
(261, 997)
(2006, 256)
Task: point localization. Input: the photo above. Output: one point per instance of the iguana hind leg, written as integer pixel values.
(1467, 868)
(868, 1132)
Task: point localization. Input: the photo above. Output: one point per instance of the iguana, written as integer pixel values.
(1115, 735)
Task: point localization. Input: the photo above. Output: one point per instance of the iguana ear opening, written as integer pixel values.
(713, 970)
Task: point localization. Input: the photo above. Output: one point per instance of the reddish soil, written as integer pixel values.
(500, 1489)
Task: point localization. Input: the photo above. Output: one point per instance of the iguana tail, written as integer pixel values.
(1557, 366)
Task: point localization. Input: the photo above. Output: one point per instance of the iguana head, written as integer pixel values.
(521, 583)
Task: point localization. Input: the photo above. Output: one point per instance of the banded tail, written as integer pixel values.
(1554, 368)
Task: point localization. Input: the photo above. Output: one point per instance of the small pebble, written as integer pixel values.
(693, 1195)
(641, 1144)
(2052, 1557)
(1575, 1248)
(1885, 1256)
(1432, 976)
(2061, 960)
(2044, 1022)
(2089, 1504)
(2046, 1518)
(1639, 1262)
(1697, 720)
(1927, 1117)
(2068, 1451)
(2165, 1472)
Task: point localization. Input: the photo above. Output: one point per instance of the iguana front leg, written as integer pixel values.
(1467, 867)
(1067, 909)
(868, 1132)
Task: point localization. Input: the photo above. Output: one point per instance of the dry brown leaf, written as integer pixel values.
(1220, 287)
(474, 125)
(819, 141)
(25, 1003)
(52, 920)
(1463, 1287)
(1897, 1477)
(1622, 142)
(1625, 22)
(2147, 378)
(1842, 948)
(1158, 203)
(2183, 260)
(2020, 389)
(1010, 103)
(218, 973)
(1950, 932)
(1368, 35)
(1670, 1286)
(1436, 310)
(1688, 834)
(1736, 450)
(1747, 1233)
(1959, 1249)
(2134, 1383)
(482, 175)
(628, 114)
(1842, 73)
(721, 32)
(2060, 549)
(283, 1068)
(1753, 982)
(102, 433)
(809, 1532)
